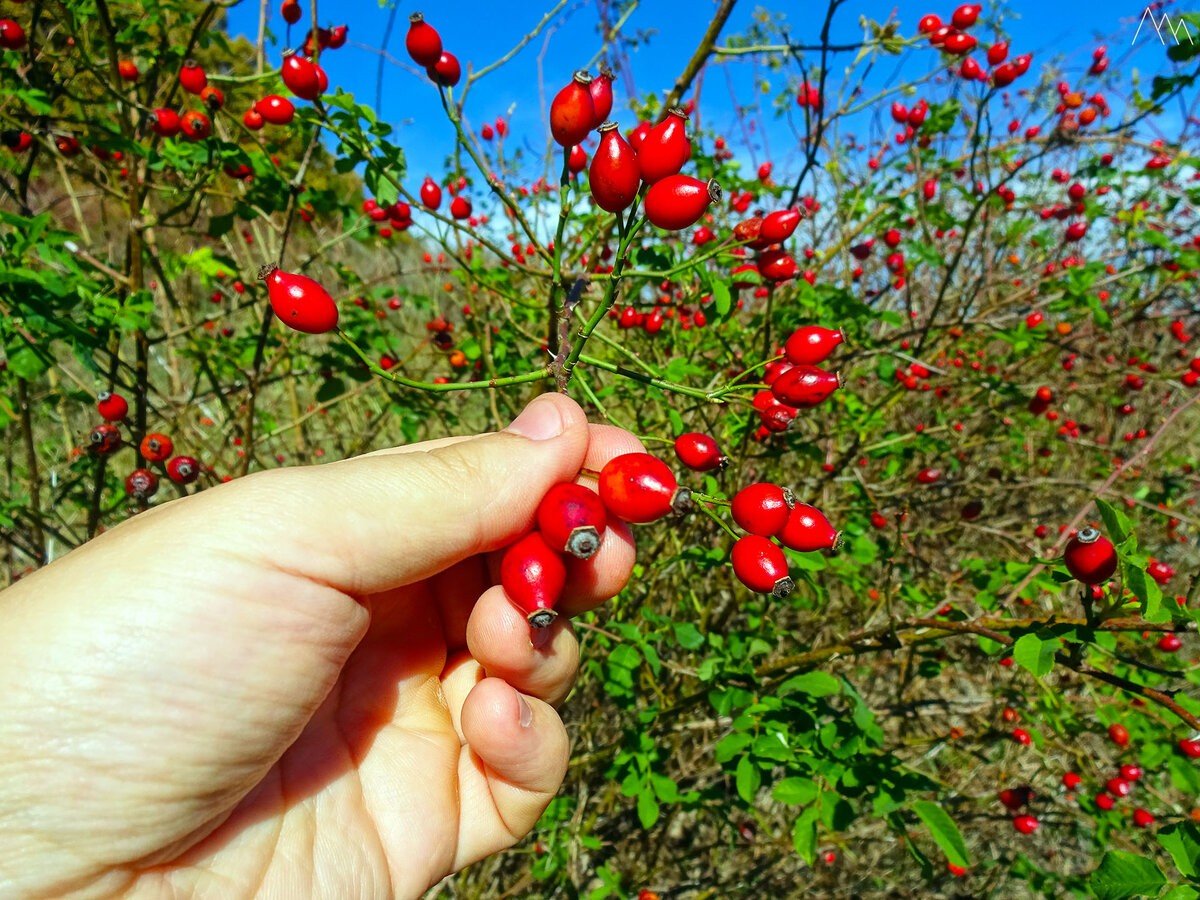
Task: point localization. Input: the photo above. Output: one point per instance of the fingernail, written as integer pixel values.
(526, 711)
(540, 420)
(539, 637)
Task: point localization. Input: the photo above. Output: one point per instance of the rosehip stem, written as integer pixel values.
(720, 521)
(553, 303)
(685, 390)
(524, 378)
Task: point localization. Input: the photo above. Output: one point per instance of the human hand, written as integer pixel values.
(301, 683)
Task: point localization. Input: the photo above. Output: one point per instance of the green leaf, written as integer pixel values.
(815, 684)
(647, 809)
(943, 831)
(688, 636)
(1116, 523)
(747, 778)
(795, 791)
(1034, 654)
(1182, 841)
(1122, 874)
(722, 298)
(1146, 589)
(804, 835)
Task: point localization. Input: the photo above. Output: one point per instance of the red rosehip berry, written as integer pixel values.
(665, 148)
(572, 519)
(1071, 781)
(1022, 737)
(1190, 747)
(141, 484)
(183, 469)
(156, 447)
(803, 387)
(533, 576)
(678, 201)
(761, 566)
(638, 487)
(1142, 818)
(811, 345)
(104, 439)
(423, 42)
(112, 407)
(762, 508)
(699, 452)
(1090, 557)
(807, 529)
(572, 112)
(192, 77)
(1026, 824)
(613, 177)
(299, 301)
(1105, 801)
(1118, 734)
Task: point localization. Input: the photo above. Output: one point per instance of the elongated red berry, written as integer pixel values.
(665, 148)
(291, 11)
(807, 530)
(803, 387)
(1026, 824)
(638, 487)
(533, 577)
(699, 452)
(299, 301)
(762, 508)
(761, 566)
(431, 194)
(302, 76)
(572, 112)
(678, 201)
(275, 109)
(810, 345)
(183, 469)
(1090, 557)
(601, 90)
(156, 447)
(572, 519)
(614, 177)
(423, 42)
(142, 484)
(12, 35)
(779, 225)
(112, 407)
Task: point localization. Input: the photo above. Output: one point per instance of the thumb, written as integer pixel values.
(377, 522)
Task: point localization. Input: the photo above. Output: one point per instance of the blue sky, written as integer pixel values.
(480, 31)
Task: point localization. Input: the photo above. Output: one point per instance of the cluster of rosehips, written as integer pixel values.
(766, 234)
(1071, 108)
(796, 382)
(302, 76)
(770, 513)
(424, 45)
(141, 484)
(620, 168)
(954, 39)
(571, 520)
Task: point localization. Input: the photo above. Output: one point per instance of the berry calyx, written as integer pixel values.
(1090, 557)
(533, 576)
(761, 566)
(641, 488)
(572, 519)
